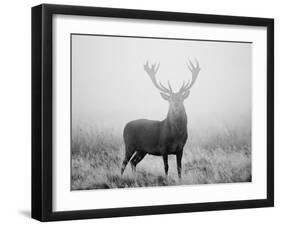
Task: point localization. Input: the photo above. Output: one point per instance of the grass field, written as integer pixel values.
(221, 155)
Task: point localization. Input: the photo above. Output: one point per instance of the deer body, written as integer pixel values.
(156, 137)
(160, 138)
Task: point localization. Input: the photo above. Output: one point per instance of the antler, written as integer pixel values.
(194, 71)
(151, 71)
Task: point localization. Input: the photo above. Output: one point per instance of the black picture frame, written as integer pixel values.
(42, 106)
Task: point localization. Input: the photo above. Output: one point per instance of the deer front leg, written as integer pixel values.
(166, 166)
(179, 157)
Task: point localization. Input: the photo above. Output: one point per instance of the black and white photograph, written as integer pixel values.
(144, 112)
(149, 112)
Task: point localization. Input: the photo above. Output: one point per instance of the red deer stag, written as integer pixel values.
(160, 138)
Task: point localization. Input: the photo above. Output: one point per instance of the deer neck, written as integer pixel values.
(177, 121)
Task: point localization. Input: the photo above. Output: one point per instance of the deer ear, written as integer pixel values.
(165, 96)
(186, 94)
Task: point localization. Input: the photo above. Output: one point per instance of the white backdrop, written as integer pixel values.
(15, 115)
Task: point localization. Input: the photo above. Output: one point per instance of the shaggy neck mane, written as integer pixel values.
(177, 121)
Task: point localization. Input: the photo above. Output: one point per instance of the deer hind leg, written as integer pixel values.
(128, 154)
(166, 166)
(136, 159)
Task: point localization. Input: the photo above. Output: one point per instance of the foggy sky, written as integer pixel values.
(110, 87)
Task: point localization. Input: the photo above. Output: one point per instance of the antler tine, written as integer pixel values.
(154, 67)
(157, 68)
(164, 88)
(151, 71)
(170, 87)
(194, 71)
(189, 65)
(184, 86)
(180, 90)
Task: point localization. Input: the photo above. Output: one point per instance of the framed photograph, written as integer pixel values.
(145, 112)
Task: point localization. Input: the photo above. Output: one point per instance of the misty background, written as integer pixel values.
(111, 88)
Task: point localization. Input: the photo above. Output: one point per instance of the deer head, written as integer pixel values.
(174, 98)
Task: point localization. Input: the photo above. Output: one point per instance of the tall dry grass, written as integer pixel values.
(220, 155)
